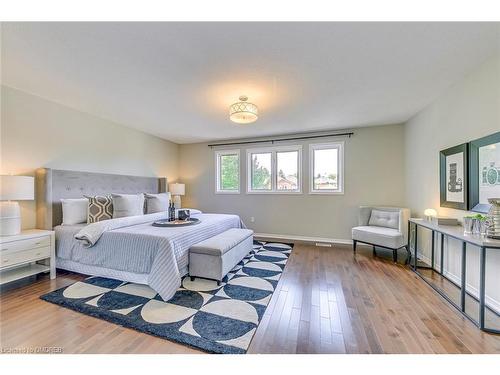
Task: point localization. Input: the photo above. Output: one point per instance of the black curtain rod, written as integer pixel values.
(349, 134)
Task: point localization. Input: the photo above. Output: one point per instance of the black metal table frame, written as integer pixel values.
(462, 286)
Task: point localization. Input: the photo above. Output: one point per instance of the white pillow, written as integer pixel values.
(387, 219)
(157, 202)
(127, 205)
(75, 211)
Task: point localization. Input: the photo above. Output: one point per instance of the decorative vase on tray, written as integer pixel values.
(493, 230)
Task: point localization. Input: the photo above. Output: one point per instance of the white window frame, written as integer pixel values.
(340, 167)
(273, 150)
(218, 154)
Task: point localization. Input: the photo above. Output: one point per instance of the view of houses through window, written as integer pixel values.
(274, 169)
(277, 169)
(287, 166)
(326, 168)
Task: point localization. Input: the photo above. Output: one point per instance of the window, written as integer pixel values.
(261, 175)
(287, 165)
(326, 168)
(274, 170)
(228, 171)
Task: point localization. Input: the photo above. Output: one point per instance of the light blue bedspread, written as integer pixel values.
(159, 252)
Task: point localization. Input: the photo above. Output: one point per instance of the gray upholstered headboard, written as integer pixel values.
(52, 185)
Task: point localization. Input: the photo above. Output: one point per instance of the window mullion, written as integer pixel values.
(219, 172)
(274, 174)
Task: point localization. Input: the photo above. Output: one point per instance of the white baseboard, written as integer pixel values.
(490, 302)
(304, 238)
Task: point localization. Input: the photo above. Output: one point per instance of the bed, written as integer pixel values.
(128, 249)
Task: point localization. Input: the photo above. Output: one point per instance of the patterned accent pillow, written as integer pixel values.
(100, 208)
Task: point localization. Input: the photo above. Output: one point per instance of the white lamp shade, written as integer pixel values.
(177, 189)
(17, 188)
(430, 212)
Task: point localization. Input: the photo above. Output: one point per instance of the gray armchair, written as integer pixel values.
(385, 227)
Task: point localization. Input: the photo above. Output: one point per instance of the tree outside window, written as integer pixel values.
(228, 171)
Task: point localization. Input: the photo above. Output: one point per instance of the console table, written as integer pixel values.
(456, 232)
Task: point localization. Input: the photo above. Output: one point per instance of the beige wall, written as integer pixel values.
(468, 110)
(374, 167)
(39, 133)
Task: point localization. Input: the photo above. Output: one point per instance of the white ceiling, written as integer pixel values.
(176, 80)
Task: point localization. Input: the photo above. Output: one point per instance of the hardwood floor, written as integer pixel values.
(327, 301)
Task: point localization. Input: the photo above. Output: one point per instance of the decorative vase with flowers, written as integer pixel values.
(475, 224)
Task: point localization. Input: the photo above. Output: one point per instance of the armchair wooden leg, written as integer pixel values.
(395, 255)
(374, 251)
(354, 242)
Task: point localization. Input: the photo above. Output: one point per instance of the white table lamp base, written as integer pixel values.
(10, 218)
(177, 201)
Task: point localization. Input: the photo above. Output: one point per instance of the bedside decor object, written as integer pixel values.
(493, 228)
(177, 190)
(484, 172)
(176, 223)
(453, 169)
(183, 214)
(13, 189)
(429, 213)
(243, 112)
(171, 211)
(29, 253)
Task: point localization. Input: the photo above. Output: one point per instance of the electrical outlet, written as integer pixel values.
(252, 219)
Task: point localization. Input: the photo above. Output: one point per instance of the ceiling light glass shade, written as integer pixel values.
(243, 112)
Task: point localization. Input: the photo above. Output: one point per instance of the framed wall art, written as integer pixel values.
(453, 177)
(484, 172)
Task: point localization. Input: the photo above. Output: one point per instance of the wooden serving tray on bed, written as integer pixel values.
(176, 223)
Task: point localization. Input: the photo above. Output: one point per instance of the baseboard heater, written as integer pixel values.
(323, 244)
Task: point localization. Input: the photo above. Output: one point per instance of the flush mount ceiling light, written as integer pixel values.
(243, 112)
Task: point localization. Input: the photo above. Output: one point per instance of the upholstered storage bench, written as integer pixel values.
(216, 256)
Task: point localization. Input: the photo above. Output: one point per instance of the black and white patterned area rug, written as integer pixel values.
(217, 319)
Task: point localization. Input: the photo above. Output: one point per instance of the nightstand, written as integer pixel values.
(29, 253)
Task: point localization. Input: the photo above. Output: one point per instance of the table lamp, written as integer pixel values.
(177, 190)
(430, 213)
(12, 189)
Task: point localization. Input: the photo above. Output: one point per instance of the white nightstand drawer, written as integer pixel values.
(13, 258)
(20, 253)
(31, 243)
